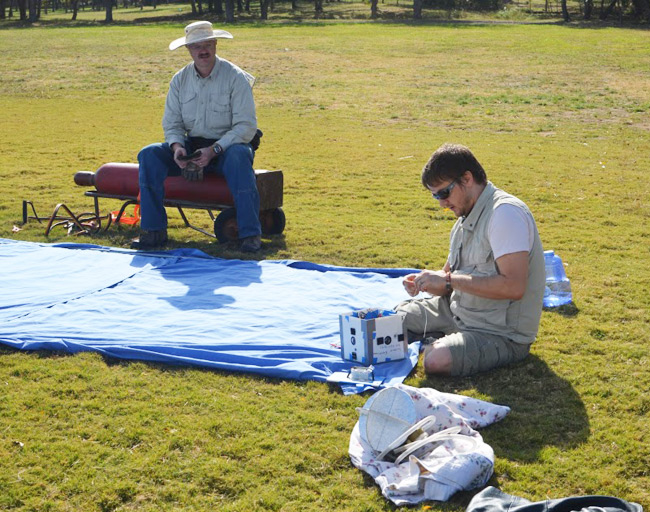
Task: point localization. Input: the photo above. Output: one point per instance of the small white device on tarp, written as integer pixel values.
(371, 336)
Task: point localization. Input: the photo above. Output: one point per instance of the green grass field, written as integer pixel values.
(558, 115)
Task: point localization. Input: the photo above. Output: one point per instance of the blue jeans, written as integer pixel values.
(235, 164)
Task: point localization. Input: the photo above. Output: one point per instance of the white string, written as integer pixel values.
(426, 318)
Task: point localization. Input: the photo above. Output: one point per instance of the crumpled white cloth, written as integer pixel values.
(449, 467)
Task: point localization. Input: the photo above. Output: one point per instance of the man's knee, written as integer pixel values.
(438, 360)
(154, 150)
(239, 156)
(156, 162)
(238, 170)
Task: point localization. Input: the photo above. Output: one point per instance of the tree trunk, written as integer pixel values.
(373, 9)
(109, 11)
(22, 8)
(565, 12)
(193, 2)
(2, 10)
(605, 13)
(230, 11)
(33, 11)
(417, 9)
(642, 9)
(264, 9)
(318, 7)
(75, 8)
(589, 9)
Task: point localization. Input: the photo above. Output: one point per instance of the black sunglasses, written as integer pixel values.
(443, 193)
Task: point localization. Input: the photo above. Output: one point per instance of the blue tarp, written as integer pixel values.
(271, 318)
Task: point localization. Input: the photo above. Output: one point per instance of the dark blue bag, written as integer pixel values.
(492, 499)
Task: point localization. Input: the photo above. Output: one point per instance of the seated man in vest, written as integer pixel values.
(487, 299)
(210, 116)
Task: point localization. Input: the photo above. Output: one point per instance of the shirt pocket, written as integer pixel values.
(189, 102)
(219, 115)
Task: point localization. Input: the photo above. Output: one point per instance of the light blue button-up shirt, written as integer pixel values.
(219, 106)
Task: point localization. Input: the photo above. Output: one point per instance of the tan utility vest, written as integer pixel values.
(470, 253)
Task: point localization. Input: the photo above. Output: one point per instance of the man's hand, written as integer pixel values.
(207, 154)
(431, 281)
(179, 152)
(409, 285)
(193, 167)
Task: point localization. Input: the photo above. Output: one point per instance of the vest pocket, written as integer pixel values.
(481, 313)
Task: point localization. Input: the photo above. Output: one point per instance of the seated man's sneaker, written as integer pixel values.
(150, 240)
(251, 243)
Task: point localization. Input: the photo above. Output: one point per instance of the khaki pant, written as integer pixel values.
(471, 351)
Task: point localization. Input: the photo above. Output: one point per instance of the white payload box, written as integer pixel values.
(372, 336)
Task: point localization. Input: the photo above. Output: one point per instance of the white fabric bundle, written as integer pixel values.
(447, 466)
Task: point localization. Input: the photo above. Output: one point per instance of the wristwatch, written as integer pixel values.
(448, 287)
(217, 148)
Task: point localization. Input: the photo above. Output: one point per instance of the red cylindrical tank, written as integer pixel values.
(121, 179)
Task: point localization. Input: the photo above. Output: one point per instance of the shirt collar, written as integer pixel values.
(215, 69)
(471, 220)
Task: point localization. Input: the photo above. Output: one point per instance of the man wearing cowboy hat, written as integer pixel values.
(209, 112)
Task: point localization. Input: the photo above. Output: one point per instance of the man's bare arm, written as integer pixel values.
(509, 283)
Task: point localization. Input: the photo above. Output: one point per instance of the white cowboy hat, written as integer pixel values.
(197, 32)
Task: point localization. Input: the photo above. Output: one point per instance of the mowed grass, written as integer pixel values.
(350, 112)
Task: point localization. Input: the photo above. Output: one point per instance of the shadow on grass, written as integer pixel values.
(545, 409)
(278, 21)
(567, 310)
(120, 237)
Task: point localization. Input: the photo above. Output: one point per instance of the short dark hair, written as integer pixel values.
(450, 162)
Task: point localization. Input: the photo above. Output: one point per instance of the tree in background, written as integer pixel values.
(30, 10)
(22, 9)
(417, 9)
(373, 9)
(565, 11)
(642, 9)
(108, 4)
(34, 10)
(264, 9)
